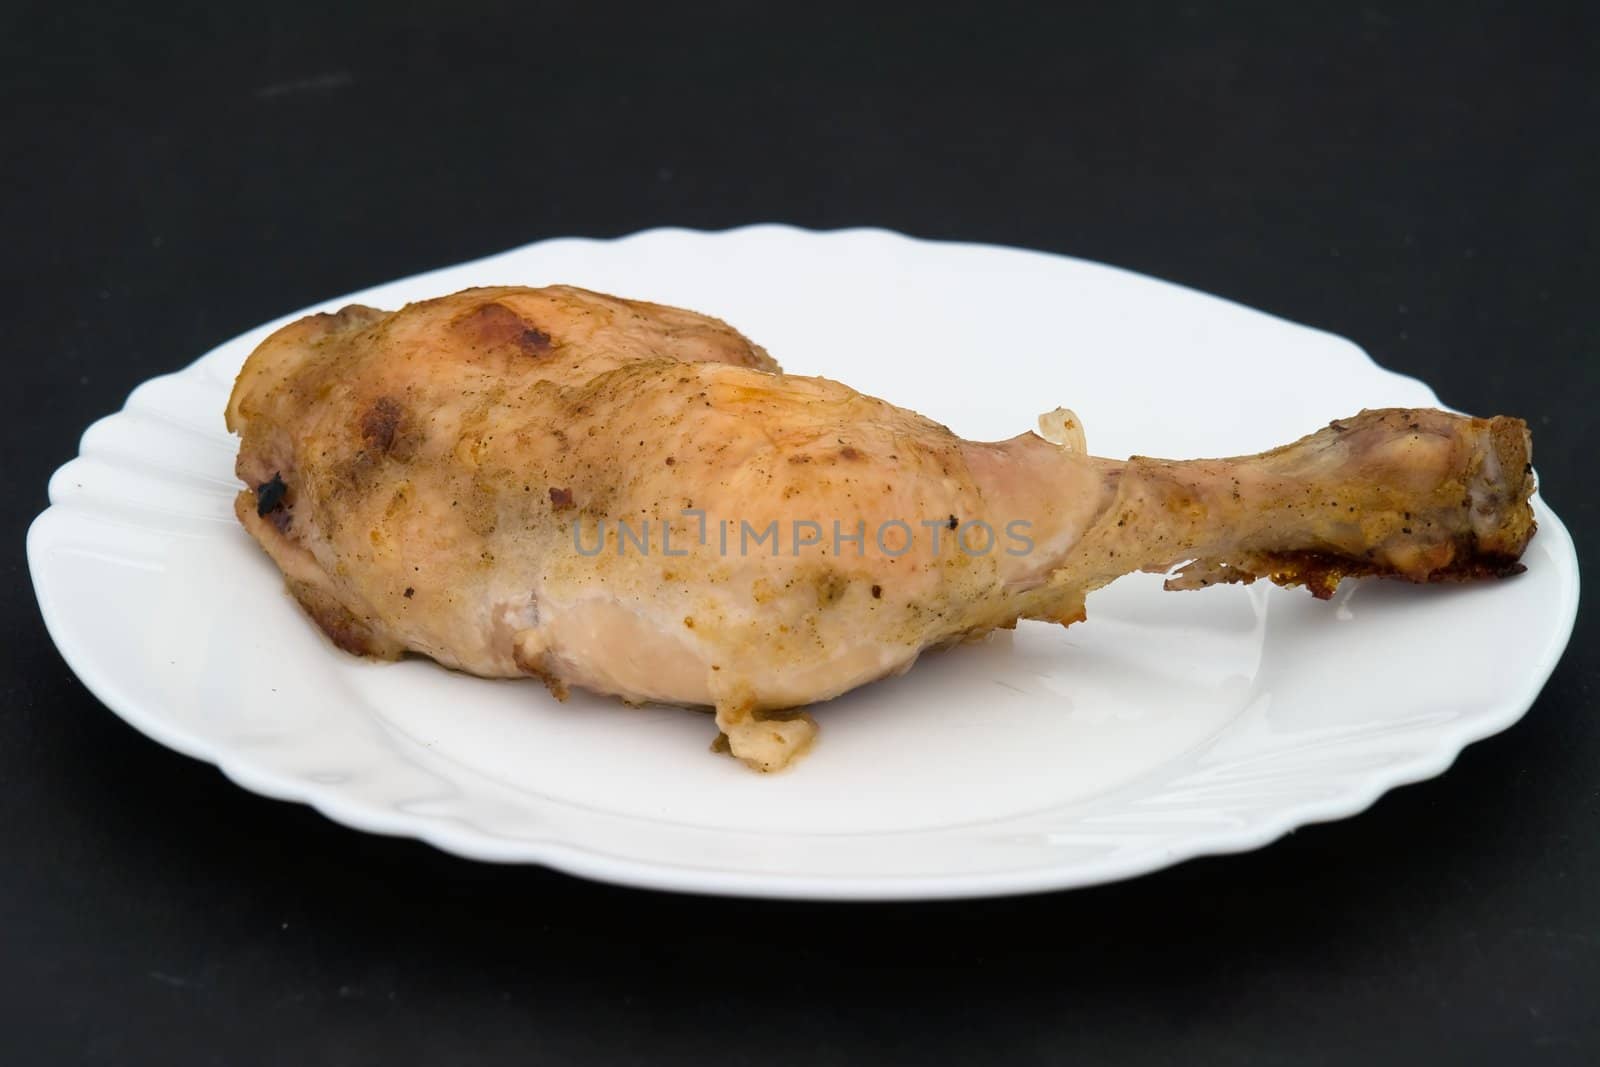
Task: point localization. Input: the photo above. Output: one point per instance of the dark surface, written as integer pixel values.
(1423, 183)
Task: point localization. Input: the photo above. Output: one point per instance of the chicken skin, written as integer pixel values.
(634, 499)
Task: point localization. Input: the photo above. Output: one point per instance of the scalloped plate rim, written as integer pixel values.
(574, 858)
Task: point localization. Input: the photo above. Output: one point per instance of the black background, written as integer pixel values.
(1420, 179)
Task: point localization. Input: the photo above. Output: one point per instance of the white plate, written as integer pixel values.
(1169, 725)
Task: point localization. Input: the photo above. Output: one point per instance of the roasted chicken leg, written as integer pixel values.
(635, 499)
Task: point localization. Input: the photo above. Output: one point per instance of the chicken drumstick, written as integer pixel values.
(634, 499)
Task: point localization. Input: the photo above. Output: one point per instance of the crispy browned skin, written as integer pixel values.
(417, 476)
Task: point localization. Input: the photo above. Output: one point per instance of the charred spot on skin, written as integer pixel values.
(380, 425)
(560, 499)
(1321, 572)
(953, 522)
(495, 326)
(877, 592)
(269, 495)
(409, 593)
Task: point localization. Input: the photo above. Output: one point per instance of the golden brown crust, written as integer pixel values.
(1321, 572)
(1416, 494)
